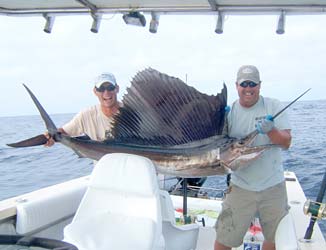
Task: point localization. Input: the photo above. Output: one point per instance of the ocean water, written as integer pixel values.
(26, 169)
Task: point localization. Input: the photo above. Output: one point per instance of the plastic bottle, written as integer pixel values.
(254, 237)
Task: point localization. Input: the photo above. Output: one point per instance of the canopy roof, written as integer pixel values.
(132, 10)
(35, 7)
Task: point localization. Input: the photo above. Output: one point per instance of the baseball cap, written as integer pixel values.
(105, 77)
(248, 73)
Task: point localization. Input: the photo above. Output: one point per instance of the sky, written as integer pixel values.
(60, 67)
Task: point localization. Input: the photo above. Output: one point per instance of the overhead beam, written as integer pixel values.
(209, 8)
(88, 4)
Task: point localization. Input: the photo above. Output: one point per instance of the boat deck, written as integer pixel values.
(72, 192)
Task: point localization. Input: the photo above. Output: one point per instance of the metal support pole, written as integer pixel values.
(184, 191)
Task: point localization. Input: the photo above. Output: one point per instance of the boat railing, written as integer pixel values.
(192, 190)
(209, 192)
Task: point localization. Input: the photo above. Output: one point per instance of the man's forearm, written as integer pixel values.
(280, 137)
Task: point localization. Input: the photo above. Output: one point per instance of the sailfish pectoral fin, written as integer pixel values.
(34, 141)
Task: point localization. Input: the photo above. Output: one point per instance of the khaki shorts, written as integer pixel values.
(241, 206)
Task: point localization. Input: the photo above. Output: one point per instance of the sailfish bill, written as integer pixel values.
(179, 128)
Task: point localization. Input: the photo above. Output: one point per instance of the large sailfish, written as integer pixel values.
(179, 128)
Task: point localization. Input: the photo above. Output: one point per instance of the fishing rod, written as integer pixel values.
(317, 209)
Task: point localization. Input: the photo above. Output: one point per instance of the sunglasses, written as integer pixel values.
(245, 84)
(109, 87)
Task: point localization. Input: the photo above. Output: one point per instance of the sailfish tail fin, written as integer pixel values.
(34, 141)
(39, 139)
(46, 118)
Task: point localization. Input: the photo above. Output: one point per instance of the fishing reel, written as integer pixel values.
(315, 209)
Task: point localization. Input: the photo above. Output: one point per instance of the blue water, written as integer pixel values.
(27, 169)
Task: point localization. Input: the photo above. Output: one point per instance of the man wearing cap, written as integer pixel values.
(257, 189)
(95, 121)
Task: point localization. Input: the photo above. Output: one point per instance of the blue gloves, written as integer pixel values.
(265, 125)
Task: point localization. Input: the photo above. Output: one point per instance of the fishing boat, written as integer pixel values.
(90, 213)
(50, 213)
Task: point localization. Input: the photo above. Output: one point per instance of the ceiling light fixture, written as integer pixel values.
(134, 18)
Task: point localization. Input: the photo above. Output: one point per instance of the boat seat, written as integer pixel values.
(183, 237)
(121, 207)
(40, 215)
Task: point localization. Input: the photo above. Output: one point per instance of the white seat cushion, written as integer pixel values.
(38, 213)
(111, 231)
(121, 207)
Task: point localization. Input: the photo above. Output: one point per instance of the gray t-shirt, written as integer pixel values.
(267, 170)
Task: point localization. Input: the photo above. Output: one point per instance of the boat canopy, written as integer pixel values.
(66, 7)
(133, 10)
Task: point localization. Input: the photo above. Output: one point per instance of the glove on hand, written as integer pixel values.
(266, 125)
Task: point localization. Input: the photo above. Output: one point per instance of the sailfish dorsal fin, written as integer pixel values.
(159, 109)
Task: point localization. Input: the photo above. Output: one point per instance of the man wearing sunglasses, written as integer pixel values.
(257, 189)
(95, 121)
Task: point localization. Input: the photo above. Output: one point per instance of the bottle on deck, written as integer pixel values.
(254, 237)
